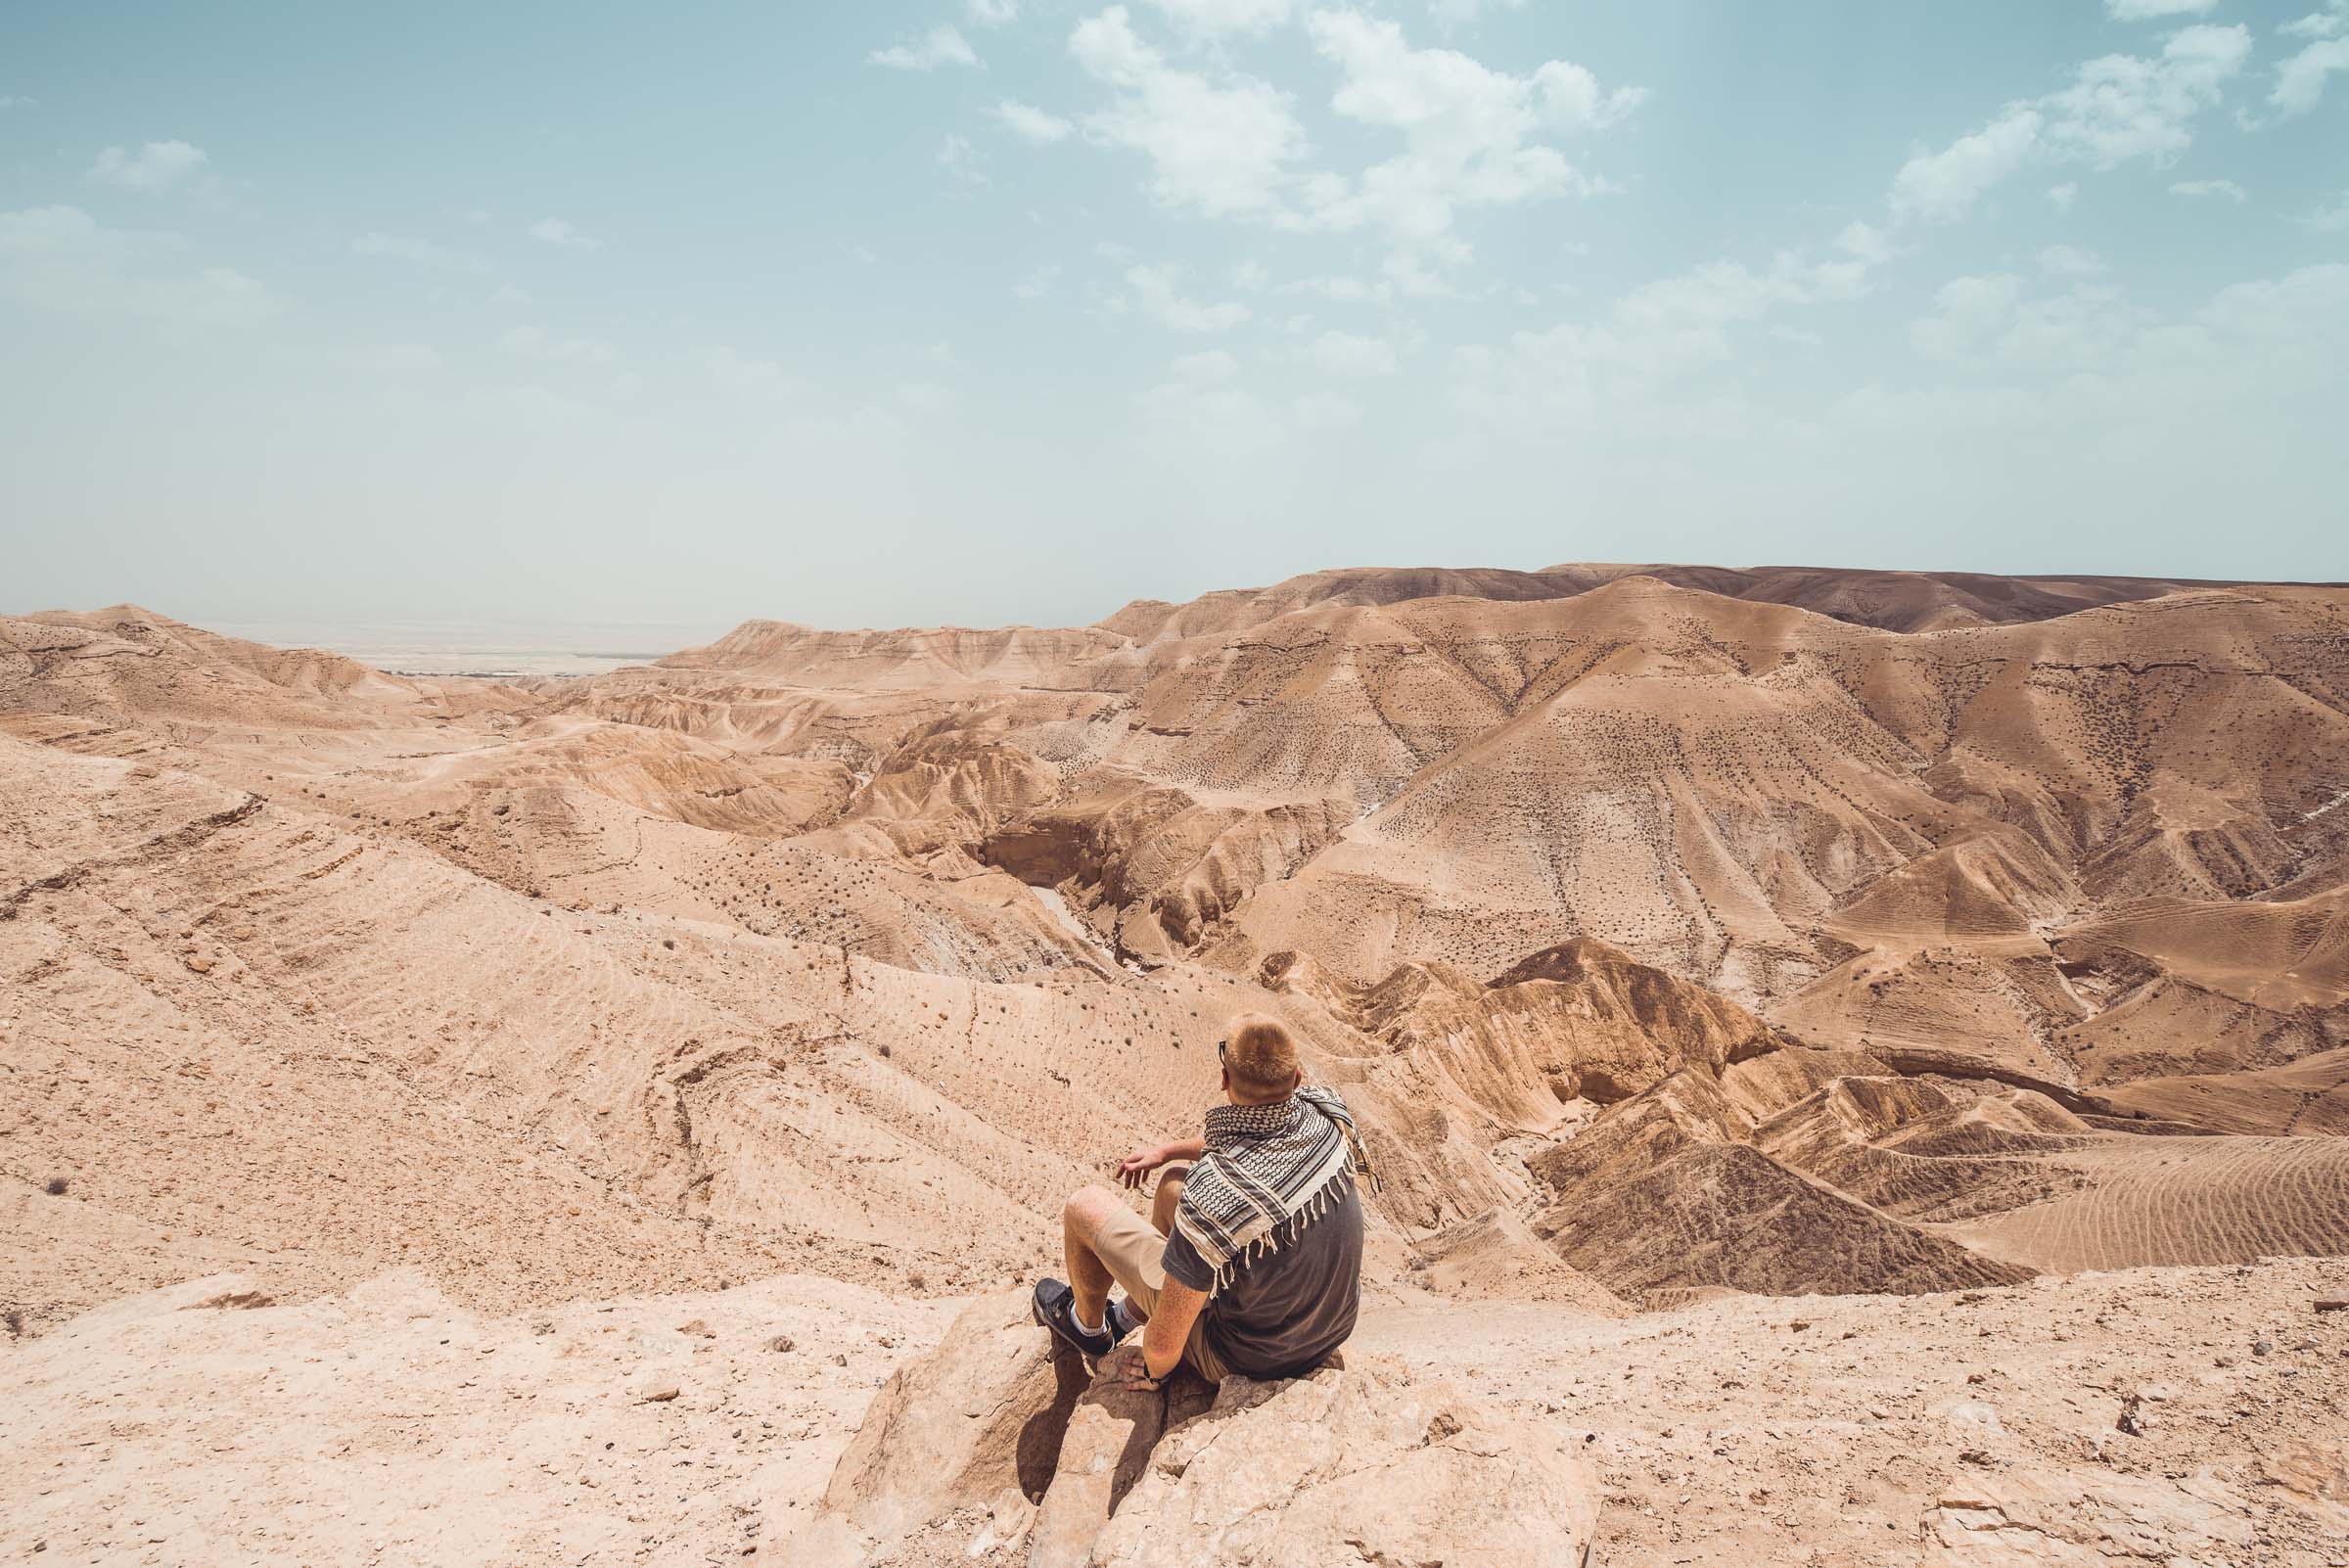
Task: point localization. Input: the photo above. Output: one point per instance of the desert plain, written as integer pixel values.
(1857, 1064)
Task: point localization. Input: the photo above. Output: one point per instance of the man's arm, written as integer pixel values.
(1141, 1161)
(1167, 1332)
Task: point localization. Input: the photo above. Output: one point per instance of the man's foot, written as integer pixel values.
(1122, 1320)
(1056, 1309)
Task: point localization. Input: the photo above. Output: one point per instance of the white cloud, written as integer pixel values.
(2147, 10)
(2300, 80)
(1943, 187)
(2333, 219)
(1213, 19)
(1345, 354)
(2070, 261)
(1250, 276)
(154, 165)
(1229, 145)
(2121, 107)
(2118, 108)
(1685, 313)
(2062, 197)
(557, 231)
(416, 251)
(1864, 243)
(536, 343)
(2329, 24)
(1988, 319)
(1037, 285)
(1222, 147)
(1965, 311)
(1031, 122)
(993, 13)
(1452, 14)
(962, 160)
(1629, 361)
(941, 45)
(18, 101)
(2258, 362)
(2208, 188)
(2091, 325)
(1468, 136)
(509, 295)
(61, 258)
(2307, 311)
(1156, 290)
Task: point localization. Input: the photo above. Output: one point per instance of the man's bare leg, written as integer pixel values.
(1090, 1278)
(1169, 1192)
(1162, 1215)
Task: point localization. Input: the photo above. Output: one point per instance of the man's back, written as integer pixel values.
(1286, 1307)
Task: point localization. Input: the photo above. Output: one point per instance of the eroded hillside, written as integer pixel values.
(1671, 937)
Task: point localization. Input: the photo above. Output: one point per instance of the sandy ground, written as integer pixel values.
(190, 1426)
(1850, 1430)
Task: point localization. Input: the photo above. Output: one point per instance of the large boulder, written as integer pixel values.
(973, 1427)
(997, 1450)
(1354, 1466)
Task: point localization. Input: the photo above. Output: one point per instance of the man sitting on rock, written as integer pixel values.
(1252, 1261)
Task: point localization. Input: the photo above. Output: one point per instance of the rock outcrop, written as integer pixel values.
(970, 1431)
(1351, 1467)
(995, 1448)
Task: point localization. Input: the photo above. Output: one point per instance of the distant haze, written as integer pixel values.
(479, 647)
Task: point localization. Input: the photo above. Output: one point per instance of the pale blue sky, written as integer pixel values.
(993, 311)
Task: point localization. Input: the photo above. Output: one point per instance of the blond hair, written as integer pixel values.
(1260, 1056)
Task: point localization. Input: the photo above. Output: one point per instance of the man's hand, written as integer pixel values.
(1136, 1167)
(1134, 1368)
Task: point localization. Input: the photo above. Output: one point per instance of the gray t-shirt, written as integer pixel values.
(1286, 1309)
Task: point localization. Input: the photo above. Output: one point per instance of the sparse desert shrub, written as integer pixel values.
(55, 1187)
(15, 1321)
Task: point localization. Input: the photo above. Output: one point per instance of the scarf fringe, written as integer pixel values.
(1332, 1193)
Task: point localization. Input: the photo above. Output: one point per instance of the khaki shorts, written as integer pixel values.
(1135, 1254)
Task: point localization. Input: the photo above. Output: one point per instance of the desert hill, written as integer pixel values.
(1678, 933)
(1895, 601)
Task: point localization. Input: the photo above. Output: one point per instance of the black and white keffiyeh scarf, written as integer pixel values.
(1265, 1167)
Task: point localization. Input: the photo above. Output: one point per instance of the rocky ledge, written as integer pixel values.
(998, 1447)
